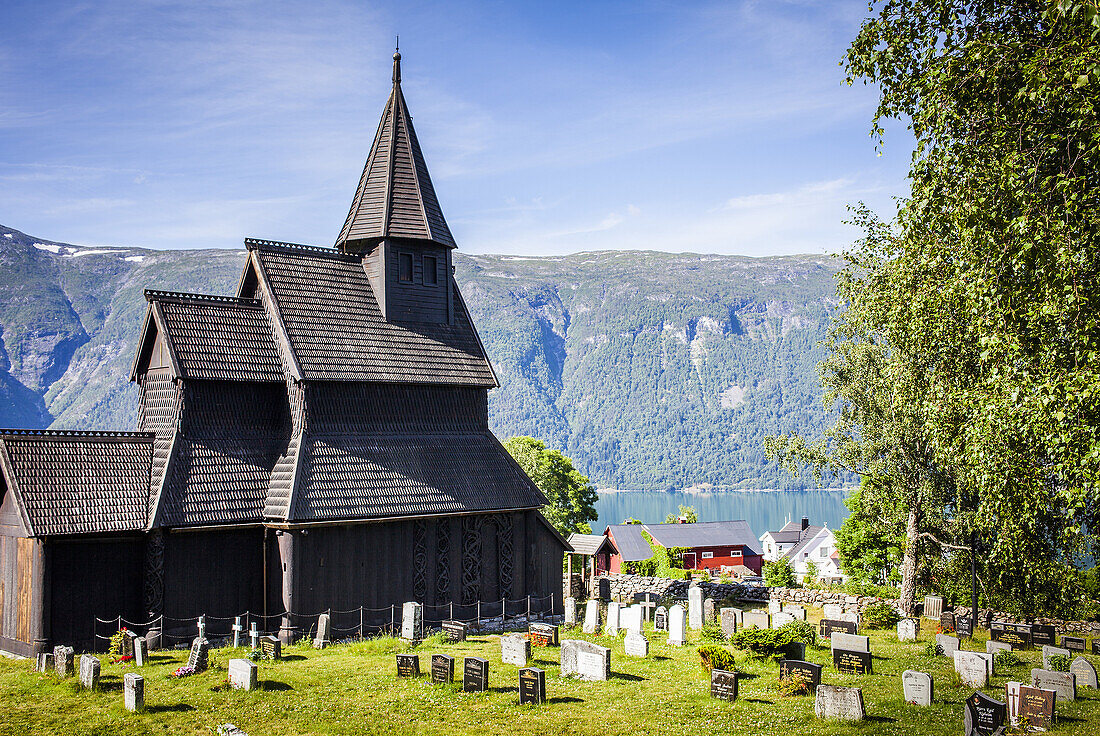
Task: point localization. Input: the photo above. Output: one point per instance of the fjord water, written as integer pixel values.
(764, 510)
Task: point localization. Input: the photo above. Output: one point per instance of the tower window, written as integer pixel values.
(405, 267)
(431, 274)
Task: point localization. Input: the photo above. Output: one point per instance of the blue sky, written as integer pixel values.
(548, 128)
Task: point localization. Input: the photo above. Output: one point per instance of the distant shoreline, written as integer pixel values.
(721, 491)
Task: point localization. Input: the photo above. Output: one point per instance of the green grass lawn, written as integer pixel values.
(353, 689)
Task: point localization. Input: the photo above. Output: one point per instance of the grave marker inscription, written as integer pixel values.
(845, 703)
(723, 684)
(408, 665)
(1037, 706)
(1063, 683)
(828, 626)
(475, 675)
(983, 715)
(133, 692)
(455, 631)
(1084, 672)
(243, 674)
(532, 686)
(808, 671)
(1073, 643)
(918, 687)
(443, 669)
(1043, 634)
(852, 662)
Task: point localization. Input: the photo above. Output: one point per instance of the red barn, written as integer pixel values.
(710, 545)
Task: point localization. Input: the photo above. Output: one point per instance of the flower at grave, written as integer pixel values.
(184, 671)
(127, 658)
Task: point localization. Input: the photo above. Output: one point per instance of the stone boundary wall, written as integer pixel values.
(623, 588)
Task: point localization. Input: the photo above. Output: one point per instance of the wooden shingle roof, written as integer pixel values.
(336, 331)
(395, 196)
(78, 482)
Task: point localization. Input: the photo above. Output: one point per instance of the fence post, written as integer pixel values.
(477, 624)
(119, 623)
(451, 609)
(360, 622)
(528, 608)
(503, 613)
(393, 619)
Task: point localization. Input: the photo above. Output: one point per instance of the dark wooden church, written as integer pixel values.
(318, 441)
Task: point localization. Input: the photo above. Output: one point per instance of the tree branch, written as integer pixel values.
(943, 544)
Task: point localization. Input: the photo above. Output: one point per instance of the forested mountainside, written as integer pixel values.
(652, 370)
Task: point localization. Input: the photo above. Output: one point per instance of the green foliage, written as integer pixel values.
(664, 563)
(811, 572)
(881, 615)
(802, 631)
(572, 497)
(687, 513)
(711, 631)
(778, 573)
(765, 642)
(1058, 663)
(869, 542)
(932, 649)
(793, 684)
(716, 658)
(1003, 658)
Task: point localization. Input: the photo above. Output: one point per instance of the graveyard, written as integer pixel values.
(354, 687)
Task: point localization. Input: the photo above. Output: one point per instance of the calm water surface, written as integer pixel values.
(764, 510)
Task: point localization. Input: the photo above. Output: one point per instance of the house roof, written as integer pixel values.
(395, 196)
(587, 544)
(630, 543)
(78, 482)
(789, 533)
(808, 536)
(325, 305)
(706, 534)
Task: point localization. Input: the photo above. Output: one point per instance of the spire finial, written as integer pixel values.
(397, 62)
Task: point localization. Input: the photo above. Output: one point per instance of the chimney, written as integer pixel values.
(805, 523)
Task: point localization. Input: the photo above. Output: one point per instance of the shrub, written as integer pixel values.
(881, 615)
(764, 642)
(712, 632)
(716, 658)
(725, 578)
(932, 649)
(778, 573)
(793, 684)
(1058, 663)
(1005, 658)
(802, 631)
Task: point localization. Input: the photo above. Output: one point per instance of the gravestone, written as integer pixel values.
(475, 675)
(454, 631)
(408, 665)
(774, 607)
(243, 674)
(515, 649)
(677, 626)
(271, 647)
(907, 629)
(933, 606)
(201, 625)
(947, 621)
(1084, 672)
(1018, 635)
(808, 671)
(1049, 651)
(710, 614)
(844, 703)
(648, 607)
(795, 650)
(199, 656)
(254, 636)
(852, 616)
(1043, 635)
(1073, 643)
(727, 619)
(545, 635)
(44, 662)
(851, 642)
(636, 645)
(1063, 683)
(324, 631)
(723, 684)
(972, 668)
(141, 651)
(781, 619)
(89, 672)
(756, 619)
(660, 619)
(591, 616)
(1036, 705)
(983, 716)
(1012, 703)
(947, 643)
(126, 646)
(570, 618)
(695, 607)
(412, 620)
(133, 692)
(832, 611)
(992, 647)
(532, 686)
(152, 638)
(854, 663)
(631, 619)
(238, 630)
(918, 687)
(63, 660)
(1096, 646)
(964, 626)
(443, 669)
(585, 660)
(228, 729)
(611, 626)
(827, 626)
(798, 612)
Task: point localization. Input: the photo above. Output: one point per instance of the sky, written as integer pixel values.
(548, 128)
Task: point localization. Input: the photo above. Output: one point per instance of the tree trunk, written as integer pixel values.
(908, 597)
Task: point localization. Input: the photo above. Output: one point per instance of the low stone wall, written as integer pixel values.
(624, 587)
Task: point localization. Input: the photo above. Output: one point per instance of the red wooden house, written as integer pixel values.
(710, 545)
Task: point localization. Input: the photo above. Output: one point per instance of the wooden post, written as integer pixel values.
(528, 608)
(360, 622)
(393, 619)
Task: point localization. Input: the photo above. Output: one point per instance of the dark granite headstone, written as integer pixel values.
(543, 635)
(1073, 643)
(983, 716)
(828, 626)
(809, 671)
(964, 626)
(532, 685)
(454, 631)
(475, 675)
(1042, 634)
(1018, 635)
(947, 621)
(408, 665)
(443, 669)
(1096, 646)
(1037, 706)
(851, 662)
(723, 684)
(271, 647)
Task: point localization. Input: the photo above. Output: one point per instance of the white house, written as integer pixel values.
(802, 544)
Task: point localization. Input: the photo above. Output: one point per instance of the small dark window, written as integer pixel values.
(431, 275)
(405, 272)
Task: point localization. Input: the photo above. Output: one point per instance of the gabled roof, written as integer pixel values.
(809, 535)
(630, 543)
(789, 533)
(211, 337)
(395, 196)
(78, 482)
(588, 544)
(706, 534)
(325, 306)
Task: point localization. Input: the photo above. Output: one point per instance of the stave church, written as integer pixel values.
(317, 441)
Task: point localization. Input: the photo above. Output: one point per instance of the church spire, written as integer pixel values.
(395, 197)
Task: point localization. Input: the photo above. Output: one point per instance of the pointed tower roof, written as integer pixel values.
(395, 197)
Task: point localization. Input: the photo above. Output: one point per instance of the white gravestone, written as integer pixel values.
(570, 611)
(677, 626)
(585, 660)
(1049, 651)
(63, 660)
(515, 649)
(412, 618)
(918, 687)
(324, 630)
(695, 608)
(631, 618)
(591, 617)
(727, 618)
(774, 607)
(850, 642)
(798, 612)
(141, 651)
(611, 627)
(997, 646)
(636, 644)
(780, 619)
(254, 636)
(907, 629)
(44, 662)
(89, 671)
(844, 703)
(756, 619)
(238, 630)
(949, 644)
(832, 611)
(1084, 673)
(133, 692)
(243, 674)
(972, 669)
(1062, 683)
